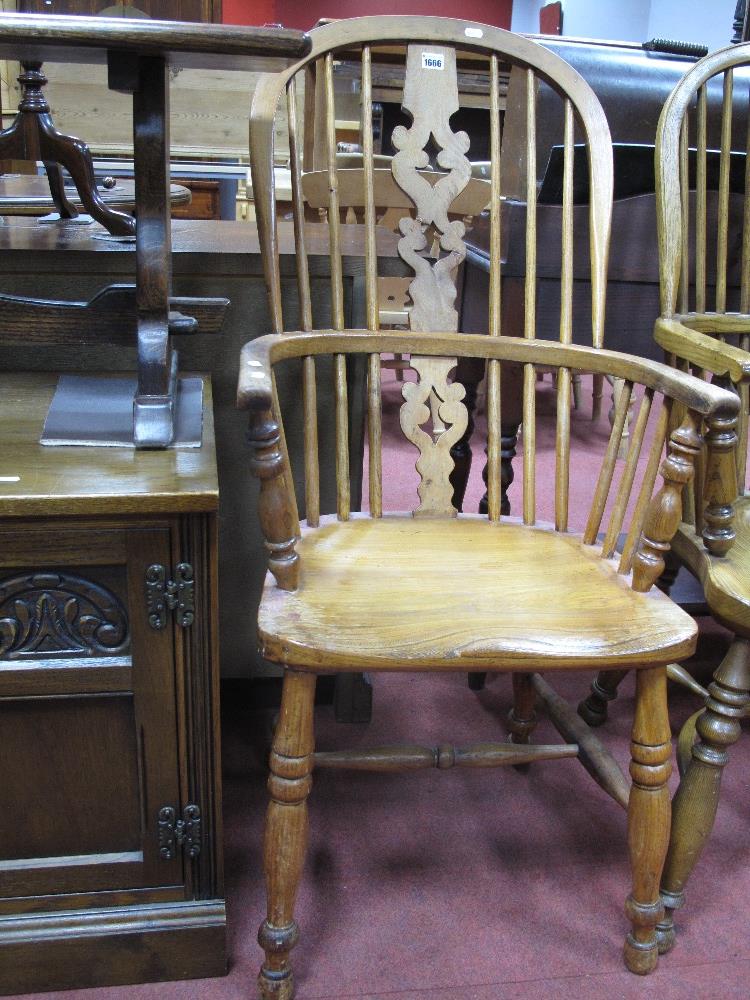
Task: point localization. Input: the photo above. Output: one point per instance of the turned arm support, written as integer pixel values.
(730, 366)
(277, 508)
(665, 510)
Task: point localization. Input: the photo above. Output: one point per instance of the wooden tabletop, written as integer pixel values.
(36, 480)
(29, 194)
(191, 236)
(60, 38)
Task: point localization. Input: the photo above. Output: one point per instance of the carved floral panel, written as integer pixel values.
(55, 614)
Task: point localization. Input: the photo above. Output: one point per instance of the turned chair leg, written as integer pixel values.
(648, 816)
(698, 795)
(286, 831)
(593, 710)
(522, 717)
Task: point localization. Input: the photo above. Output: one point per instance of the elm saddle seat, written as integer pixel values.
(435, 591)
(705, 326)
(360, 605)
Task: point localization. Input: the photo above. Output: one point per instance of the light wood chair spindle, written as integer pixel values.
(430, 589)
(704, 247)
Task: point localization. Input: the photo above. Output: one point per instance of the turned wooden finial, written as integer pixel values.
(665, 510)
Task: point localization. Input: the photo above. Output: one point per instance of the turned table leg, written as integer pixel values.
(286, 831)
(648, 816)
(698, 795)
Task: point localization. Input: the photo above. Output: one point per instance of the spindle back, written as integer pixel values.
(703, 216)
(428, 54)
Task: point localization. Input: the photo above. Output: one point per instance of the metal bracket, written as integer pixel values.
(164, 595)
(182, 833)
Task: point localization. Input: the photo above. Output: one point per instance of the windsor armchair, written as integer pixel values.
(432, 589)
(704, 247)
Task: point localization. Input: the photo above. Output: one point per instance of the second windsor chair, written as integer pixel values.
(703, 213)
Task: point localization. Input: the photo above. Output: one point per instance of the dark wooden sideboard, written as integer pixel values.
(211, 259)
(110, 836)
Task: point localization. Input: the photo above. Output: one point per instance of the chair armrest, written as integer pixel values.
(701, 350)
(720, 479)
(255, 380)
(277, 505)
(693, 392)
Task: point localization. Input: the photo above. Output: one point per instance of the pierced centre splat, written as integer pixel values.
(435, 463)
(431, 97)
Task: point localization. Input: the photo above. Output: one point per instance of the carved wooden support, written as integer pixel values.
(286, 832)
(434, 464)
(665, 510)
(649, 813)
(431, 97)
(720, 485)
(698, 795)
(592, 754)
(443, 757)
(33, 136)
(593, 710)
(275, 511)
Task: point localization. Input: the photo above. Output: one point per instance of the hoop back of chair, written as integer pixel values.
(703, 215)
(429, 53)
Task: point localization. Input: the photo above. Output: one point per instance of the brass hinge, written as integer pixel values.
(184, 833)
(164, 595)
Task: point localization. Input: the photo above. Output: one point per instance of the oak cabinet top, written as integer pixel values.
(37, 480)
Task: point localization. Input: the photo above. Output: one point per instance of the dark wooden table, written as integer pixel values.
(139, 55)
(209, 258)
(29, 194)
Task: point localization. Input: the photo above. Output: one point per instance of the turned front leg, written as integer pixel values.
(698, 795)
(286, 832)
(648, 816)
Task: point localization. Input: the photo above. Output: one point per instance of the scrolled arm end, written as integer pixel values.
(255, 380)
(702, 350)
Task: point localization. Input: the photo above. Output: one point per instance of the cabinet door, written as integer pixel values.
(88, 726)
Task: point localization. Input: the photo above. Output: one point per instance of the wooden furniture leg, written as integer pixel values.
(65, 209)
(33, 136)
(146, 77)
(698, 795)
(649, 812)
(593, 710)
(522, 717)
(286, 831)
